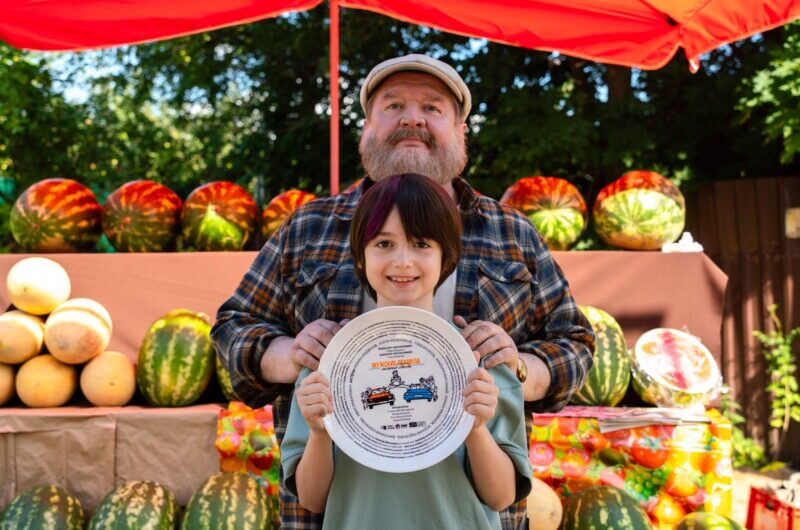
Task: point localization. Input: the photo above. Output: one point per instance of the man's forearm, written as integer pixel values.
(276, 363)
(537, 384)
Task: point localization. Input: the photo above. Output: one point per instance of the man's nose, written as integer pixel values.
(412, 118)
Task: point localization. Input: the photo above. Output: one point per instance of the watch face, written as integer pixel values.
(397, 376)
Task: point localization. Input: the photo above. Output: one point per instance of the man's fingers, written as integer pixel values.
(460, 321)
(303, 358)
(310, 345)
(506, 355)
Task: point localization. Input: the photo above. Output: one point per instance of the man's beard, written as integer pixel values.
(383, 159)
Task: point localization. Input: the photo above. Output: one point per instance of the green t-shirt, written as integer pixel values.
(438, 497)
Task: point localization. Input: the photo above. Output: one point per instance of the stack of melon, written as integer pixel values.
(49, 338)
(225, 500)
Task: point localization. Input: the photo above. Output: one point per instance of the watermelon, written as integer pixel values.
(672, 368)
(607, 381)
(228, 500)
(56, 215)
(176, 359)
(219, 216)
(707, 521)
(224, 379)
(603, 508)
(137, 505)
(555, 207)
(142, 216)
(43, 508)
(641, 210)
(280, 207)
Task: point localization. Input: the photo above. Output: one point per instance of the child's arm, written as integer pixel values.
(315, 469)
(493, 471)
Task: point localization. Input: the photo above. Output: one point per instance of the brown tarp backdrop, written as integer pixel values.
(91, 450)
(742, 226)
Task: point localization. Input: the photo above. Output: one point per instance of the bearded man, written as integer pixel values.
(507, 295)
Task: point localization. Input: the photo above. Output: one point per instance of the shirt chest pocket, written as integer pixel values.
(505, 291)
(311, 289)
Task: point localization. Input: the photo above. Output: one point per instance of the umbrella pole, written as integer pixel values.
(334, 62)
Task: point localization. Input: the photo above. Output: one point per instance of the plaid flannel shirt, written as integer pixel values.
(305, 272)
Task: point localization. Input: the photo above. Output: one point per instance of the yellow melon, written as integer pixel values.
(77, 330)
(109, 380)
(44, 381)
(21, 336)
(544, 506)
(6, 383)
(37, 285)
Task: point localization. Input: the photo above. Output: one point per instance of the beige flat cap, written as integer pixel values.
(418, 63)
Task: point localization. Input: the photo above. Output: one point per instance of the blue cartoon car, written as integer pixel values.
(418, 393)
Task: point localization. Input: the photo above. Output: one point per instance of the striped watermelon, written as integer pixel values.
(137, 505)
(555, 207)
(707, 521)
(280, 207)
(608, 379)
(603, 508)
(228, 500)
(43, 508)
(142, 216)
(219, 216)
(224, 379)
(176, 359)
(56, 215)
(641, 210)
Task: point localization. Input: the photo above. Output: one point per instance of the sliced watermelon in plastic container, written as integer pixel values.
(673, 368)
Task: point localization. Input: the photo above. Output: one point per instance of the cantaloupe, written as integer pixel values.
(37, 285)
(78, 330)
(6, 383)
(109, 380)
(544, 506)
(21, 336)
(44, 381)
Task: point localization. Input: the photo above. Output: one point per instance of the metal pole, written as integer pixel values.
(334, 62)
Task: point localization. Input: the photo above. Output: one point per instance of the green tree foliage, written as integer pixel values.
(251, 104)
(771, 97)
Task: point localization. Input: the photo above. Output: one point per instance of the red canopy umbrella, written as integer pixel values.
(638, 33)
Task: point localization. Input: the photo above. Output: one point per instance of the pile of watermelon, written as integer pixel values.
(63, 215)
(224, 499)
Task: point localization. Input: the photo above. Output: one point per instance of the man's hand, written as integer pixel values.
(480, 396)
(486, 338)
(310, 343)
(315, 400)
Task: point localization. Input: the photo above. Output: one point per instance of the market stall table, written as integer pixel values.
(642, 290)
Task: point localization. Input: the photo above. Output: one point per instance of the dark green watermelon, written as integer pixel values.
(603, 508)
(137, 505)
(228, 500)
(43, 508)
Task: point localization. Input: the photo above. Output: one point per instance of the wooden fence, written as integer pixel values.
(742, 225)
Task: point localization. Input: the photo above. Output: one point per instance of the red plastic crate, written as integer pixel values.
(767, 512)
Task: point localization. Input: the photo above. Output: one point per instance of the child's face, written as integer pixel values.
(402, 272)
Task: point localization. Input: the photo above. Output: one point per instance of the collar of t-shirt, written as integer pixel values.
(443, 300)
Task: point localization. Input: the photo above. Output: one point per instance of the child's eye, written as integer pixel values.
(383, 244)
(421, 243)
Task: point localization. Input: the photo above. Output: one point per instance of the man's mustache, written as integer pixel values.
(411, 134)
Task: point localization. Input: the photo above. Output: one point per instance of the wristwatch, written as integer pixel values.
(522, 370)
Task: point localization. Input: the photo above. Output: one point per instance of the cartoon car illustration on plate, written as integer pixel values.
(377, 396)
(420, 392)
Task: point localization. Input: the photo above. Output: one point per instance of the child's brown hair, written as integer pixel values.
(426, 212)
